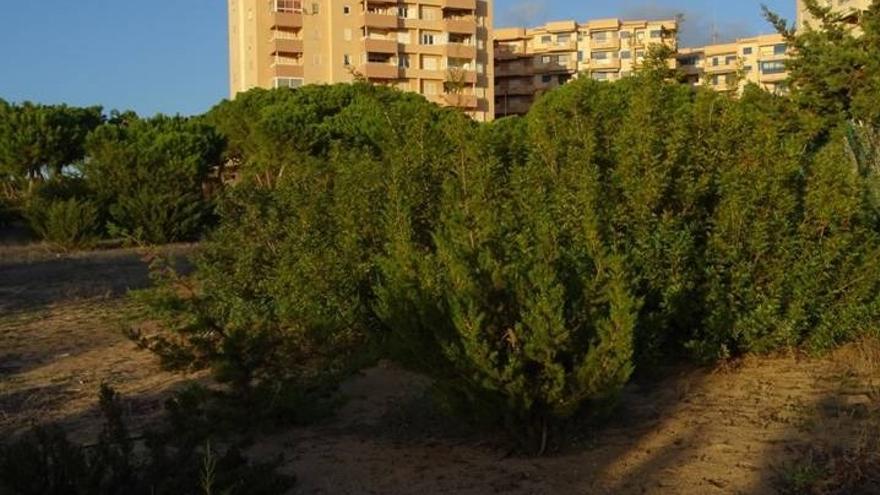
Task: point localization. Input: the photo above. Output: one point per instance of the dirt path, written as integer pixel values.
(697, 432)
(61, 336)
(700, 432)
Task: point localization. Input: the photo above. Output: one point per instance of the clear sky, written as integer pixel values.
(171, 55)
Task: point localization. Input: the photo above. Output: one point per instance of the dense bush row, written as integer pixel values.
(531, 265)
(76, 177)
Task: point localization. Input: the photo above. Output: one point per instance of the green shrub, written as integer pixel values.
(150, 175)
(282, 295)
(176, 459)
(67, 223)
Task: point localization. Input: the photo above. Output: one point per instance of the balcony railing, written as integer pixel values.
(287, 20)
(373, 45)
(283, 45)
(605, 44)
(461, 50)
(461, 25)
(381, 20)
(380, 70)
(288, 70)
(459, 4)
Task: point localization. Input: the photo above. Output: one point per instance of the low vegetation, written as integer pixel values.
(530, 266)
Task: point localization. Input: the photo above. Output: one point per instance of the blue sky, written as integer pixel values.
(171, 55)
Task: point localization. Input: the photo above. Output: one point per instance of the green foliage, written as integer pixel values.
(282, 298)
(175, 460)
(66, 223)
(37, 140)
(836, 71)
(150, 175)
(60, 212)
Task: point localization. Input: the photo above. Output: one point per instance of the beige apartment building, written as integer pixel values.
(730, 66)
(849, 8)
(438, 48)
(529, 62)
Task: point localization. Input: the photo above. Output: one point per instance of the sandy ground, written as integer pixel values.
(698, 431)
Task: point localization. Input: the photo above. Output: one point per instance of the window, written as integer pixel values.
(600, 76)
(599, 55)
(656, 33)
(429, 87)
(773, 67)
(716, 62)
(286, 82)
(546, 59)
(780, 49)
(346, 59)
(747, 50)
(625, 54)
(403, 61)
(747, 68)
(288, 6)
(640, 54)
(580, 56)
(316, 8)
(689, 61)
(547, 39)
(403, 12)
(601, 36)
(730, 60)
(346, 10)
(625, 35)
(427, 38)
(563, 38)
(546, 78)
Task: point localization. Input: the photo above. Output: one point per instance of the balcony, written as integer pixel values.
(606, 44)
(286, 46)
(515, 89)
(460, 100)
(288, 70)
(506, 52)
(381, 21)
(604, 64)
(774, 77)
(461, 75)
(287, 20)
(721, 68)
(460, 50)
(379, 70)
(372, 45)
(565, 46)
(463, 25)
(512, 70)
(459, 4)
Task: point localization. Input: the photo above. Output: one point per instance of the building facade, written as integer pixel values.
(730, 66)
(848, 8)
(529, 62)
(438, 48)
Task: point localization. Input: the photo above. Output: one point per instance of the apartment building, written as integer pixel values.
(438, 48)
(529, 62)
(730, 66)
(849, 8)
